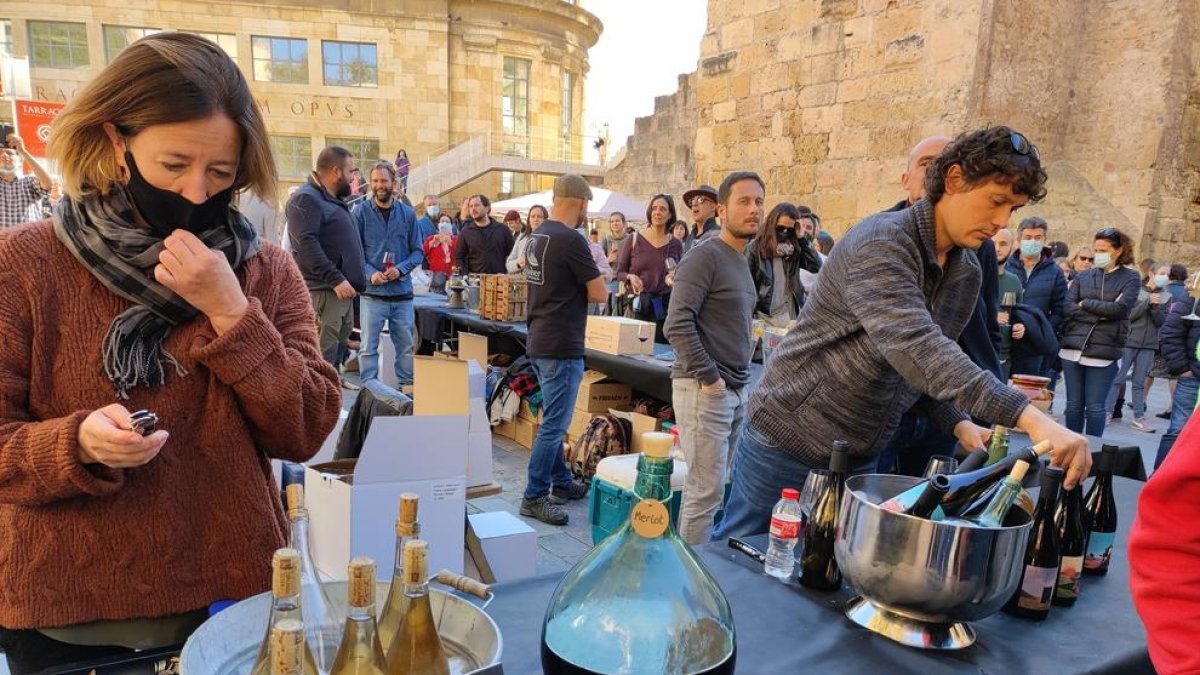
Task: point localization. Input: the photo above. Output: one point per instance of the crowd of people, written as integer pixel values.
(900, 340)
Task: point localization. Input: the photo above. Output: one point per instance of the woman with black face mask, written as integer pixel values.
(776, 256)
(148, 291)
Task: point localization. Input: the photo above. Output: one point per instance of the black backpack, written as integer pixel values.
(605, 436)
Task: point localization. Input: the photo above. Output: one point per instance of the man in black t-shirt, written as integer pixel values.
(563, 279)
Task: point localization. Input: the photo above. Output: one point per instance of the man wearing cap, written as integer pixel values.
(703, 203)
(563, 279)
(483, 243)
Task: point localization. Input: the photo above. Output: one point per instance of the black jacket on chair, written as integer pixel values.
(1098, 308)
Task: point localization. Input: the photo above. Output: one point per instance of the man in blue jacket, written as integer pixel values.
(391, 245)
(1045, 288)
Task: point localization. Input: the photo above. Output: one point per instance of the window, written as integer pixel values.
(293, 155)
(512, 183)
(117, 38)
(280, 59)
(365, 150)
(57, 44)
(6, 40)
(226, 41)
(350, 64)
(514, 105)
(568, 111)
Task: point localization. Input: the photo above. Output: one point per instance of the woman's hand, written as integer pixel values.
(106, 437)
(201, 276)
(635, 283)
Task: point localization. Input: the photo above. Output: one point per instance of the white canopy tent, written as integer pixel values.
(603, 203)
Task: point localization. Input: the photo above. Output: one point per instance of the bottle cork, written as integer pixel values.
(1001, 430)
(657, 444)
(1018, 471)
(1042, 448)
(406, 524)
(295, 499)
(361, 592)
(285, 573)
(416, 569)
(287, 647)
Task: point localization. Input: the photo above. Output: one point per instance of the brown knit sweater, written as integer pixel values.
(200, 521)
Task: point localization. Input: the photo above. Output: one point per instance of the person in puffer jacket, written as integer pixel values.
(1140, 347)
(1099, 303)
(1177, 341)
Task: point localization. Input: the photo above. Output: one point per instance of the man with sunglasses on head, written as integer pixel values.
(879, 331)
(703, 203)
(1045, 288)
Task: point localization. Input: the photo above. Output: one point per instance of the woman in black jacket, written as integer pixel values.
(1099, 302)
(776, 256)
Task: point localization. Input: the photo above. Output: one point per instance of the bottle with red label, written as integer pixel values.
(785, 532)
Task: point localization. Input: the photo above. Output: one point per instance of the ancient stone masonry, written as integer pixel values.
(824, 98)
(659, 155)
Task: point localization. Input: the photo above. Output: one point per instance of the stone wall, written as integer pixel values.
(825, 97)
(658, 155)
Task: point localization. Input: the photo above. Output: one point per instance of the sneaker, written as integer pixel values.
(348, 385)
(544, 510)
(574, 490)
(1139, 423)
(1164, 415)
(1108, 419)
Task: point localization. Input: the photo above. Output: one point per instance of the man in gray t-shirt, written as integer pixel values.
(708, 325)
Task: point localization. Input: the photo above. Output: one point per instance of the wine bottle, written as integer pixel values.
(818, 564)
(360, 652)
(839, 464)
(322, 619)
(285, 605)
(288, 652)
(970, 492)
(417, 648)
(407, 529)
(927, 504)
(1101, 510)
(975, 460)
(1002, 501)
(1036, 589)
(998, 447)
(1073, 543)
(640, 601)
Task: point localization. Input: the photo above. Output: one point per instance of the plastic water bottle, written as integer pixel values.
(785, 532)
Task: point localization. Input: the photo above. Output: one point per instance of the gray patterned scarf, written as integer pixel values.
(101, 232)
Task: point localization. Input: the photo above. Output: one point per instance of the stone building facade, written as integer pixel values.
(423, 75)
(824, 98)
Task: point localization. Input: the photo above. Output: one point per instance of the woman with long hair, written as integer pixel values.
(1081, 261)
(403, 166)
(177, 307)
(618, 230)
(646, 261)
(516, 258)
(1099, 303)
(776, 256)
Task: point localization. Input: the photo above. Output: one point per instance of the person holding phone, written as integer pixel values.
(17, 192)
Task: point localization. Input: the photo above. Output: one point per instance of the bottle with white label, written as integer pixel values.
(785, 532)
(1040, 576)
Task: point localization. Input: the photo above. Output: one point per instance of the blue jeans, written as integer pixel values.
(559, 380)
(1135, 363)
(400, 317)
(1182, 405)
(916, 439)
(760, 472)
(1087, 395)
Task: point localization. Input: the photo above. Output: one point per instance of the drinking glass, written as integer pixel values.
(389, 260)
(940, 464)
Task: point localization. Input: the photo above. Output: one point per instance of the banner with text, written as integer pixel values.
(33, 123)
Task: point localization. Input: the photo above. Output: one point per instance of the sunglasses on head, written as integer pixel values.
(1023, 146)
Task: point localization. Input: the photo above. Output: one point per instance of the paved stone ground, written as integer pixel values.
(559, 548)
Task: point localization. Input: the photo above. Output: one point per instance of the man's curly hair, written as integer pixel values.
(988, 155)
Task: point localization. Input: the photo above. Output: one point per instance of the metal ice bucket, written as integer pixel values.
(228, 642)
(921, 581)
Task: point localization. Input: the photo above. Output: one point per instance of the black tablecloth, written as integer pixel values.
(791, 629)
(651, 376)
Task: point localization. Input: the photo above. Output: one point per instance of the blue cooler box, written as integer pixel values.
(612, 496)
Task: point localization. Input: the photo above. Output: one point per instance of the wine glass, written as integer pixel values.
(940, 464)
(389, 260)
(814, 485)
(1193, 316)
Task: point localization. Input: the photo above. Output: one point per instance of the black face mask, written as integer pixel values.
(167, 211)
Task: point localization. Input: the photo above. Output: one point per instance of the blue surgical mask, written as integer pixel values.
(1160, 280)
(1103, 260)
(1031, 248)
(433, 211)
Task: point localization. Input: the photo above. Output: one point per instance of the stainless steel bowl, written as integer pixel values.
(920, 581)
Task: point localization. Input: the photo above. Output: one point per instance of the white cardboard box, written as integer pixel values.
(509, 544)
(455, 387)
(425, 455)
(619, 335)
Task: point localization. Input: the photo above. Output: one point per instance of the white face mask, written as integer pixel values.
(1103, 260)
(8, 171)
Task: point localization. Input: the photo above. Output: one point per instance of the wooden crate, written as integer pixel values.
(503, 297)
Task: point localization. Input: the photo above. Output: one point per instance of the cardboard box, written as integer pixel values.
(526, 412)
(525, 432)
(352, 504)
(472, 347)
(619, 335)
(509, 544)
(506, 429)
(456, 387)
(579, 423)
(598, 393)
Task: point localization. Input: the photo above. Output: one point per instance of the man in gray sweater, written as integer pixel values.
(879, 330)
(708, 325)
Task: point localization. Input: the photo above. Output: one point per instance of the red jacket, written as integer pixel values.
(1164, 557)
(436, 258)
